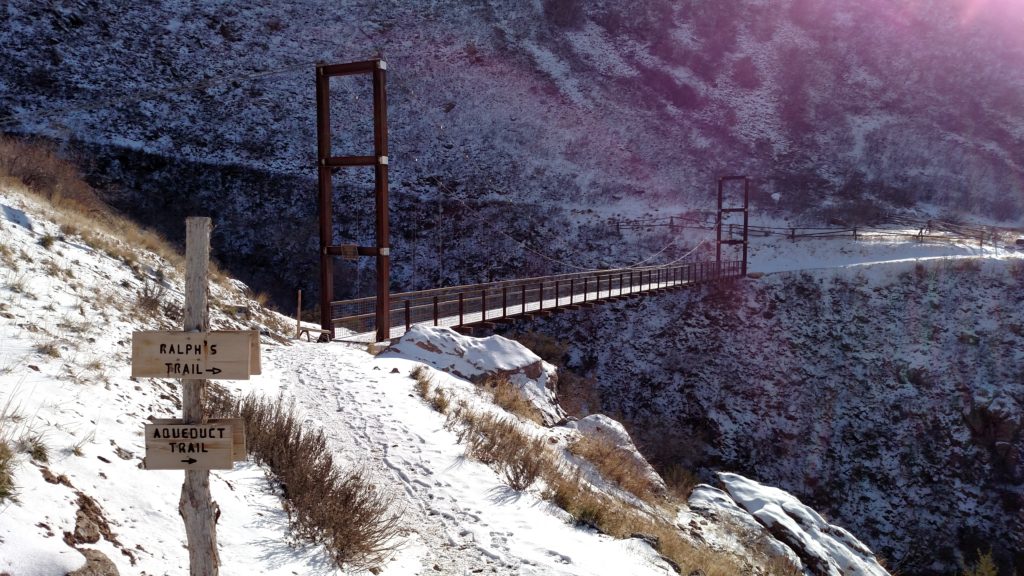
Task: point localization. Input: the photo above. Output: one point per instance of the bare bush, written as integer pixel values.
(149, 298)
(342, 510)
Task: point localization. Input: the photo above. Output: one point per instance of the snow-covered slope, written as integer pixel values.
(67, 311)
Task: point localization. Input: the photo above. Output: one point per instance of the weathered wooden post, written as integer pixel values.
(194, 443)
(196, 506)
(298, 317)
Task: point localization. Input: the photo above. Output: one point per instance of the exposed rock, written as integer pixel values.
(86, 531)
(96, 564)
(718, 506)
(824, 549)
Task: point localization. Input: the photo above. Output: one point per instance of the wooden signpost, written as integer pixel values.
(195, 443)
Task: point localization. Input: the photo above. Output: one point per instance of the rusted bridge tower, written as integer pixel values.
(326, 162)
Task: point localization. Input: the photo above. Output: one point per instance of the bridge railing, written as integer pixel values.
(497, 301)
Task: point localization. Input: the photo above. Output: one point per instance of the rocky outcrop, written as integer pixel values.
(477, 359)
(824, 549)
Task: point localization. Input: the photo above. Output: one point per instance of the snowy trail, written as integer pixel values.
(460, 518)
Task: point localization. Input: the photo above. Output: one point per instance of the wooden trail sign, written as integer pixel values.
(238, 448)
(223, 355)
(189, 446)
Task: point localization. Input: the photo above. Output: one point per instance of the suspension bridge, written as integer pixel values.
(475, 306)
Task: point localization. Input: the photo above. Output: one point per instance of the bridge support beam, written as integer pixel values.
(326, 162)
(722, 211)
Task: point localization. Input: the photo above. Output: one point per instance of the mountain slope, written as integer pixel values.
(549, 107)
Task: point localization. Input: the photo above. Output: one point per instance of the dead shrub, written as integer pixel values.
(342, 510)
(550, 349)
(617, 465)
(578, 395)
(511, 398)
(985, 566)
(966, 265)
(150, 297)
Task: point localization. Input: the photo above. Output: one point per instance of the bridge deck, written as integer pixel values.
(506, 301)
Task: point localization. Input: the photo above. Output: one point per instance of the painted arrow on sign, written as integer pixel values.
(191, 461)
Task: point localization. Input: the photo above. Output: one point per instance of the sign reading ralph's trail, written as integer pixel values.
(214, 355)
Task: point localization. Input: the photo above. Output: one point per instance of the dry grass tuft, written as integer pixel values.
(500, 442)
(342, 510)
(617, 465)
(421, 374)
(33, 445)
(50, 349)
(680, 481)
(8, 491)
(511, 398)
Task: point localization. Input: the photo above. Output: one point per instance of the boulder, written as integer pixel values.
(823, 548)
(476, 359)
(96, 564)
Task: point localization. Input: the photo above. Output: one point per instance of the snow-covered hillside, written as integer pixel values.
(878, 381)
(68, 307)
